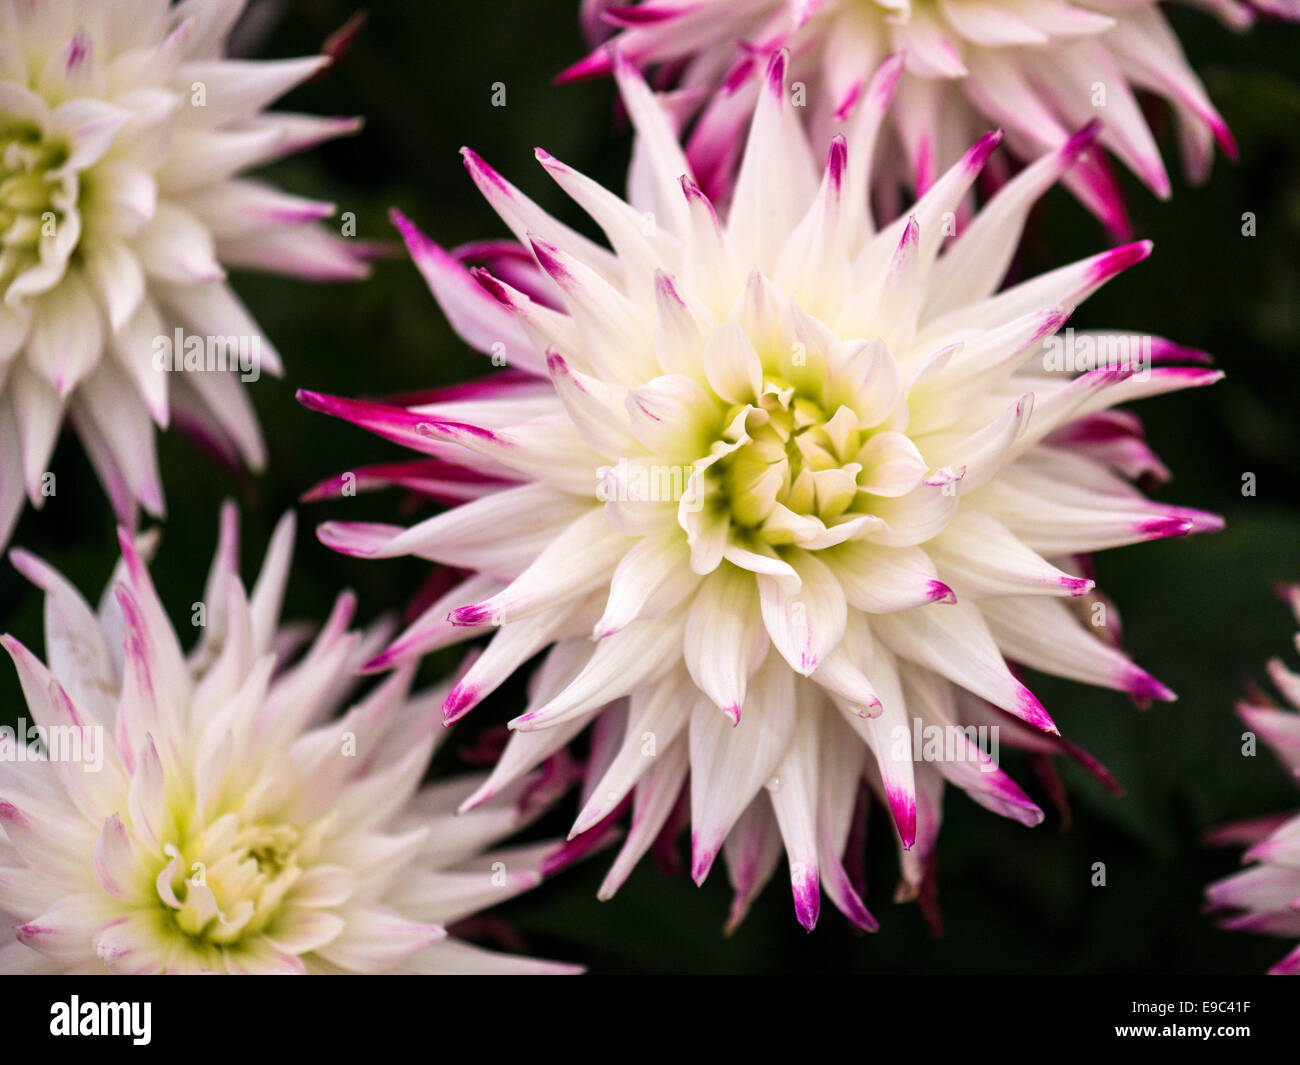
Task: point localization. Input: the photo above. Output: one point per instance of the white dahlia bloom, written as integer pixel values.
(775, 491)
(210, 813)
(123, 135)
(1039, 70)
(1266, 897)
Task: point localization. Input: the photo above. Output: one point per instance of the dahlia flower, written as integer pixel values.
(1266, 897)
(123, 135)
(209, 813)
(1039, 70)
(771, 492)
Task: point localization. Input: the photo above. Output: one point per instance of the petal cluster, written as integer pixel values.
(1265, 898)
(124, 133)
(1039, 70)
(776, 492)
(210, 813)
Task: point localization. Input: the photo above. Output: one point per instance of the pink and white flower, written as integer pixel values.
(1039, 70)
(1266, 897)
(769, 491)
(124, 133)
(210, 813)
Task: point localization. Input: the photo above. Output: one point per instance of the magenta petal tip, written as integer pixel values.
(902, 805)
(1145, 688)
(472, 615)
(1164, 527)
(983, 148)
(1033, 713)
(1120, 259)
(807, 895)
(460, 701)
(940, 593)
(702, 858)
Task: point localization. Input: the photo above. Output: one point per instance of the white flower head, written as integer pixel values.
(775, 490)
(1039, 70)
(163, 813)
(123, 135)
(1266, 897)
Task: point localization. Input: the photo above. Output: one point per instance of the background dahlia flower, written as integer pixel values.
(1039, 70)
(123, 132)
(771, 493)
(212, 814)
(1266, 897)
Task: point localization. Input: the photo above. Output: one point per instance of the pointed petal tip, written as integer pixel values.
(11, 644)
(775, 76)
(982, 149)
(317, 401)
(476, 800)
(555, 363)
(339, 536)
(25, 563)
(1033, 713)
(1120, 259)
(1164, 527)
(381, 663)
(1082, 140)
(885, 81)
(598, 64)
(807, 895)
(837, 159)
(459, 702)
(702, 858)
(849, 101)
(473, 615)
(941, 593)
(1226, 141)
(1205, 521)
(399, 219)
(1144, 688)
(548, 258)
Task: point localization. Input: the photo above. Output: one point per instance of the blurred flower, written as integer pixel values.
(777, 492)
(1266, 897)
(209, 813)
(1039, 70)
(122, 135)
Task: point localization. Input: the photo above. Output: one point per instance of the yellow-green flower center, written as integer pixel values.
(797, 459)
(229, 882)
(34, 192)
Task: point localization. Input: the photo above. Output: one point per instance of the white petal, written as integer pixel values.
(805, 624)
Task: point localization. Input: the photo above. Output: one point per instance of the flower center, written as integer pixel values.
(796, 461)
(36, 194)
(230, 881)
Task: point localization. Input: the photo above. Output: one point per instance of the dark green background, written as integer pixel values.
(1199, 613)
